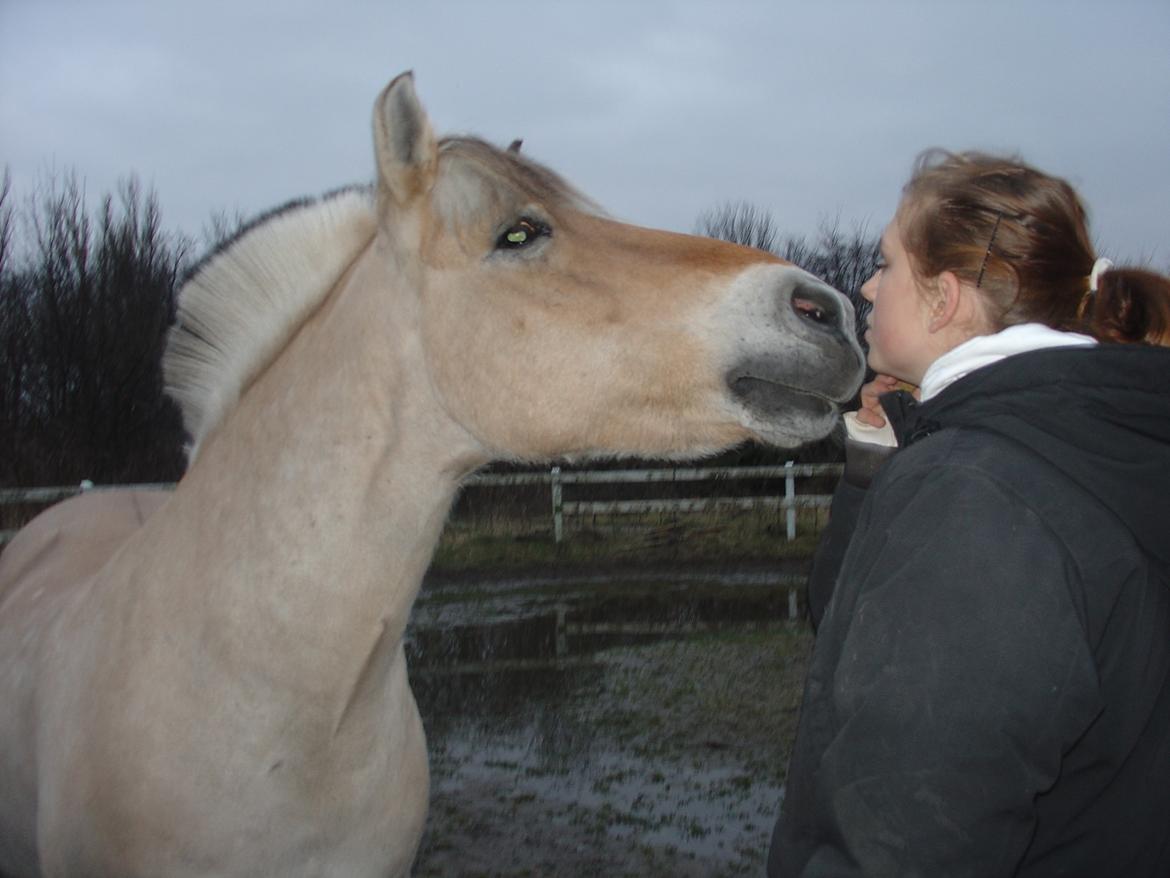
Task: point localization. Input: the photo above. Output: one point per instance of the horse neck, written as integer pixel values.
(318, 503)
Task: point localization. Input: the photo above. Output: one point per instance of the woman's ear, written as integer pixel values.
(949, 301)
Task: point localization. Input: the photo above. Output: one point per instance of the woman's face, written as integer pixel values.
(898, 334)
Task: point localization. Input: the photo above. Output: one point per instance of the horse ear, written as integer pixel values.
(404, 143)
(515, 145)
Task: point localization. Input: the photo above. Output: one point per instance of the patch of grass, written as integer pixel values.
(639, 539)
(728, 713)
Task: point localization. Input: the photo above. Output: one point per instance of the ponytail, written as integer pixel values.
(1130, 305)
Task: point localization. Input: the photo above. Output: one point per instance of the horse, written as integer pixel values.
(212, 681)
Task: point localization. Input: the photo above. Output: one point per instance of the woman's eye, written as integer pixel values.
(522, 233)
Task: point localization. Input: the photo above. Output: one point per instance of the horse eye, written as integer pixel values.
(522, 233)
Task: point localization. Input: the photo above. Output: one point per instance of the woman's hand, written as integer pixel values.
(871, 410)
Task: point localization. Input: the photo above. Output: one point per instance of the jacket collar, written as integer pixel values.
(905, 416)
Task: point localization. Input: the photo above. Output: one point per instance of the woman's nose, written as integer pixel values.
(869, 288)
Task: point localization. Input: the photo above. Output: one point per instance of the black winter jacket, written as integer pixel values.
(989, 694)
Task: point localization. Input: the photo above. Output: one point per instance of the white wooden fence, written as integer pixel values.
(789, 500)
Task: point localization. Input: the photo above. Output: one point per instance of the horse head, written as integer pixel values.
(550, 329)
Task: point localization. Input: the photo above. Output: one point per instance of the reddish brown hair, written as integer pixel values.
(1021, 236)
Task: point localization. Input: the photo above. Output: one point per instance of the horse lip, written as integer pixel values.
(769, 395)
(799, 391)
(765, 374)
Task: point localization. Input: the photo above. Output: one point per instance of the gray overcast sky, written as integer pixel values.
(660, 110)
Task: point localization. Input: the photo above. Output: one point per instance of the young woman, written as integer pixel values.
(989, 694)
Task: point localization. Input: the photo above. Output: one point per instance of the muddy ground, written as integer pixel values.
(617, 724)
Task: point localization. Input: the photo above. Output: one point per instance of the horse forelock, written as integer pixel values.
(475, 175)
(240, 304)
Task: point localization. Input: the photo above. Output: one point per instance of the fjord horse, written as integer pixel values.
(212, 682)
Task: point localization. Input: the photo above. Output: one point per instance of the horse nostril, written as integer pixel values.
(817, 305)
(810, 310)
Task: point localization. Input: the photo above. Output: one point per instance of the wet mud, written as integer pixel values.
(607, 725)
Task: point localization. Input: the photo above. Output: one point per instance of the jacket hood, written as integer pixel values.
(1101, 415)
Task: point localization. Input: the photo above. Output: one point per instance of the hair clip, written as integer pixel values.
(987, 252)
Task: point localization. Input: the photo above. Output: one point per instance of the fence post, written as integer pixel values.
(558, 517)
(790, 499)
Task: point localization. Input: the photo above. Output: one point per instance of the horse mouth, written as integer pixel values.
(772, 400)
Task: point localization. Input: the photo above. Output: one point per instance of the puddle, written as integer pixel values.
(529, 620)
(611, 728)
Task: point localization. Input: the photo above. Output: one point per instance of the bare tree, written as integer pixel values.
(83, 321)
(5, 220)
(222, 227)
(13, 332)
(740, 223)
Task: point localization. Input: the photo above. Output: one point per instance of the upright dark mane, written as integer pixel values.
(266, 216)
(243, 300)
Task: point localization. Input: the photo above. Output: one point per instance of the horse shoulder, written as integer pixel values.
(48, 570)
(72, 540)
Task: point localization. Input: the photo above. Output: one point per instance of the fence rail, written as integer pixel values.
(556, 480)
